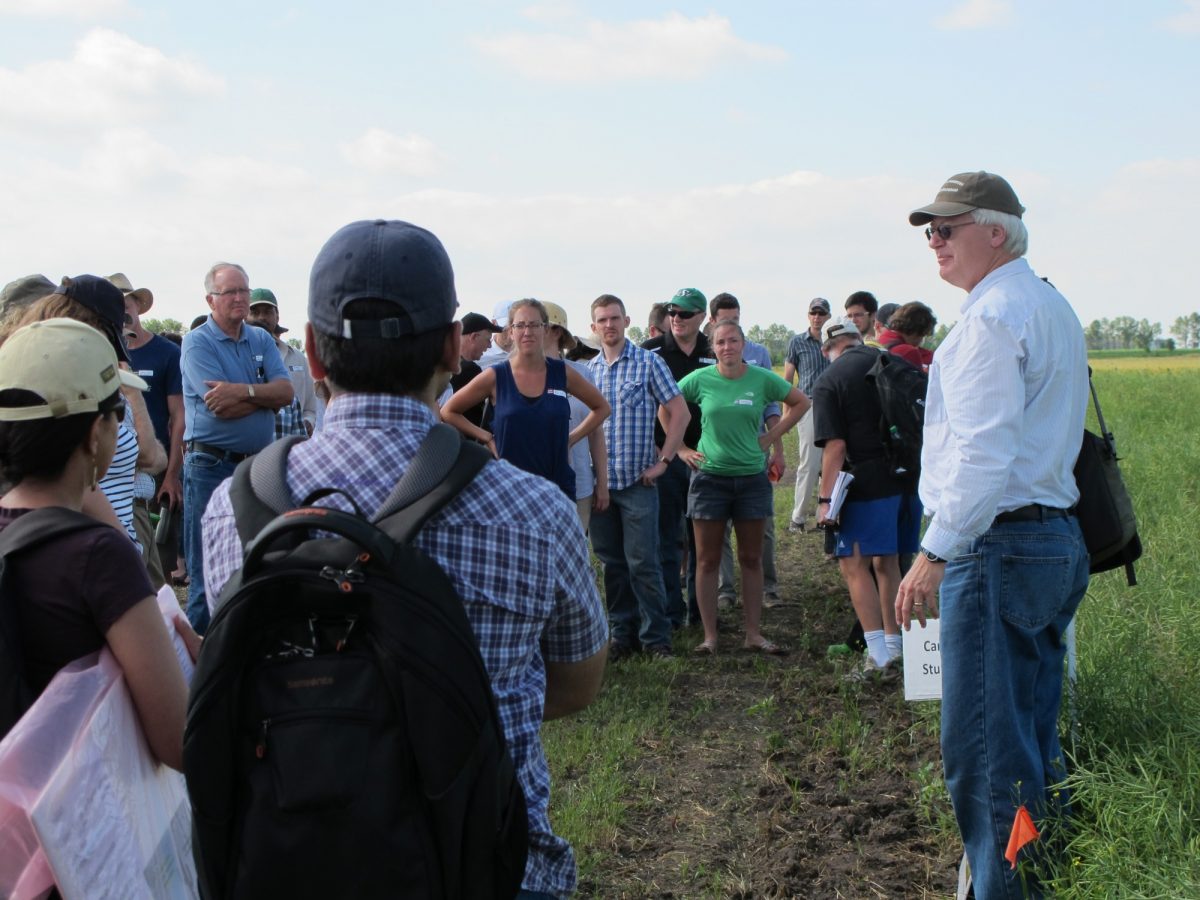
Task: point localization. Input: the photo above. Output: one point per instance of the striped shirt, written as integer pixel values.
(117, 483)
(1004, 414)
(635, 385)
(804, 352)
(511, 545)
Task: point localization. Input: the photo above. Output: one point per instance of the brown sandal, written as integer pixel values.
(705, 648)
(770, 648)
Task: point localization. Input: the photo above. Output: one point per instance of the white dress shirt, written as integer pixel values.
(1004, 415)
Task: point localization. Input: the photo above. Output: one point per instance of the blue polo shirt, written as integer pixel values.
(209, 354)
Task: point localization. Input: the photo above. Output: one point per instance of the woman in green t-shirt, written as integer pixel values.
(729, 480)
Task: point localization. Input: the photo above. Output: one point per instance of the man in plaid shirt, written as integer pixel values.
(383, 335)
(635, 383)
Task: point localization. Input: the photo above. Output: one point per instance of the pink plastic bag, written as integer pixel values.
(83, 802)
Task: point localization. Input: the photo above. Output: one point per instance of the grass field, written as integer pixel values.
(744, 777)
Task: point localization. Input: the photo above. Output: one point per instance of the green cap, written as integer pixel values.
(967, 191)
(690, 299)
(262, 295)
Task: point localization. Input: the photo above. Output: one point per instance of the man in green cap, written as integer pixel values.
(684, 348)
(299, 417)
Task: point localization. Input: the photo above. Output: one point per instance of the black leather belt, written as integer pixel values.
(1034, 512)
(218, 452)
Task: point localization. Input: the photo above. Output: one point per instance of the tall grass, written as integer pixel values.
(1135, 776)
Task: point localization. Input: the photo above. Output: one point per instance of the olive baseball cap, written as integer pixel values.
(21, 292)
(70, 365)
(689, 299)
(967, 191)
(388, 260)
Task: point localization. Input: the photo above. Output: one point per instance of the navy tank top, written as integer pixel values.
(531, 432)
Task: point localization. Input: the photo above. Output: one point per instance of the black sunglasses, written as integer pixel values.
(944, 231)
(681, 313)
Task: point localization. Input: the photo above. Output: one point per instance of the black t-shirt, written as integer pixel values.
(468, 371)
(69, 592)
(846, 407)
(681, 364)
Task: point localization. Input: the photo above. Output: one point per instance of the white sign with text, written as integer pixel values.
(923, 661)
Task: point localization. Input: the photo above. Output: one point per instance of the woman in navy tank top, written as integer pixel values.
(530, 394)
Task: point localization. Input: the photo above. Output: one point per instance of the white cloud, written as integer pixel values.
(674, 47)
(72, 9)
(110, 79)
(380, 151)
(1186, 22)
(976, 14)
(550, 11)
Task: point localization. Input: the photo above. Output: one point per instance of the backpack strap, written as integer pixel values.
(443, 466)
(259, 491)
(39, 525)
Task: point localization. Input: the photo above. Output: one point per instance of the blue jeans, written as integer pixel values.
(1005, 607)
(202, 472)
(672, 504)
(625, 537)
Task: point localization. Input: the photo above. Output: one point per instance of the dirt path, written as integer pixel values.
(778, 778)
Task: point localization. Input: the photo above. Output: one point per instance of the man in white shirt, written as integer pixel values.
(1003, 426)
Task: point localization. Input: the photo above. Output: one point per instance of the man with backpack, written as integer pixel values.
(383, 336)
(881, 517)
(1003, 554)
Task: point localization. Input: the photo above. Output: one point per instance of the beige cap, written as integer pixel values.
(836, 328)
(71, 366)
(558, 316)
(141, 296)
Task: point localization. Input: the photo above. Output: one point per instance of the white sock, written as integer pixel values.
(877, 647)
(895, 645)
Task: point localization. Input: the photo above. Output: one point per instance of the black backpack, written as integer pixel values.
(901, 388)
(342, 737)
(34, 527)
(1104, 509)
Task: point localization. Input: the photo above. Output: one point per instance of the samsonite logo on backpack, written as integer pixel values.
(342, 737)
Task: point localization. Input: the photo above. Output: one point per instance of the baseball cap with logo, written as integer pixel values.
(558, 316)
(836, 328)
(388, 260)
(689, 299)
(70, 365)
(263, 295)
(141, 296)
(967, 191)
(818, 303)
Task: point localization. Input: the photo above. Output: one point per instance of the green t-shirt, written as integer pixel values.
(731, 415)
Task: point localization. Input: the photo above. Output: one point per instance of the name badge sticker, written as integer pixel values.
(145, 373)
(556, 392)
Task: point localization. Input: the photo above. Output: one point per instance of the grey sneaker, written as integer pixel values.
(796, 528)
(726, 601)
(871, 672)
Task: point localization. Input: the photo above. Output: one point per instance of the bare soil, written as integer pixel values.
(777, 778)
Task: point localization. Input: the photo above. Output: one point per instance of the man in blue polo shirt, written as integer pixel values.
(233, 381)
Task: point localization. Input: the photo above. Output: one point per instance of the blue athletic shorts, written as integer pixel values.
(883, 527)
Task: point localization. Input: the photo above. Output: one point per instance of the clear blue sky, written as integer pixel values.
(563, 150)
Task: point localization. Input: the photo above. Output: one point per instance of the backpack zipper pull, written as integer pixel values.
(260, 750)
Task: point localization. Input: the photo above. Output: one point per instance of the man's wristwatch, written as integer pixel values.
(250, 388)
(932, 557)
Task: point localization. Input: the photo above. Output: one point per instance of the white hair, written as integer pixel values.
(1016, 240)
(211, 277)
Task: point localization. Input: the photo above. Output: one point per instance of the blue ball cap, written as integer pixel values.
(394, 261)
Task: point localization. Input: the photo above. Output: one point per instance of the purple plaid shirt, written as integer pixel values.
(511, 544)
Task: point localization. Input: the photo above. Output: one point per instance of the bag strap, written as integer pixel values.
(39, 525)
(1109, 441)
(443, 465)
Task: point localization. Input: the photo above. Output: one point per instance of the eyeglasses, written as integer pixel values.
(527, 326)
(944, 231)
(681, 313)
(233, 292)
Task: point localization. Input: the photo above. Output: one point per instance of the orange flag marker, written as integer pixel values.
(1023, 831)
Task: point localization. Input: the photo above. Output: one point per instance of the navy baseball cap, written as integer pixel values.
(106, 300)
(393, 261)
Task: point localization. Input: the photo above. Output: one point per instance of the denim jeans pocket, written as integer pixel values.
(198, 459)
(1033, 589)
